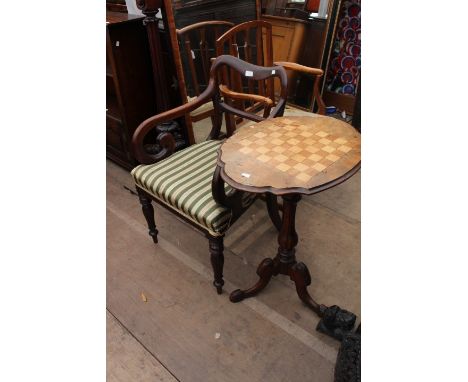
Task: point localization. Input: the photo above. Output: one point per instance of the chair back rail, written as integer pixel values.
(197, 42)
(246, 41)
(241, 36)
(211, 93)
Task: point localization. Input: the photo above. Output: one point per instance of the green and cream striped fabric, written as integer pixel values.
(183, 182)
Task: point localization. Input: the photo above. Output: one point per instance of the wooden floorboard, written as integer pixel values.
(344, 199)
(128, 360)
(263, 339)
(180, 320)
(328, 243)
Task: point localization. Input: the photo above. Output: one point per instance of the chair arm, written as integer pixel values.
(226, 92)
(166, 140)
(299, 68)
(313, 71)
(233, 201)
(257, 99)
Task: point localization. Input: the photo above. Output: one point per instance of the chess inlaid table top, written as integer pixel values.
(291, 154)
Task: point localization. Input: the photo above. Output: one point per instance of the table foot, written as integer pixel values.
(265, 270)
(299, 273)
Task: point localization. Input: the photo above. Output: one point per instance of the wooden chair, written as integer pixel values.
(188, 182)
(197, 45)
(252, 41)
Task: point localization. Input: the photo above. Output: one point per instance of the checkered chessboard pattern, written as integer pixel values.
(295, 148)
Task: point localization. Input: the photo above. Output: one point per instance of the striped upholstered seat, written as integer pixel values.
(183, 182)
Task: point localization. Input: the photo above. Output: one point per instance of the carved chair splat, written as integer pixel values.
(261, 53)
(197, 43)
(246, 42)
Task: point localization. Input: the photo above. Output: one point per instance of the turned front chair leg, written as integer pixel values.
(148, 212)
(217, 261)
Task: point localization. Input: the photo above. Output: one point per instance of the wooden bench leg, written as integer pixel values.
(148, 211)
(217, 261)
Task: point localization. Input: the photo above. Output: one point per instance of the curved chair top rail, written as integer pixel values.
(211, 93)
(243, 30)
(200, 39)
(253, 72)
(203, 24)
(252, 42)
(248, 69)
(244, 27)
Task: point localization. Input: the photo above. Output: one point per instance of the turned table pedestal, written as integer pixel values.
(290, 157)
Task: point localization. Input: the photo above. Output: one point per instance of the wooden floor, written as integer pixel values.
(184, 331)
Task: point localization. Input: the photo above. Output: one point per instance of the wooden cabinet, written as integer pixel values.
(140, 82)
(288, 37)
(288, 42)
(116, 6)
(130, 97)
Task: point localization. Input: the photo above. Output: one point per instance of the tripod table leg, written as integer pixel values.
(265, 270)
(301, 277)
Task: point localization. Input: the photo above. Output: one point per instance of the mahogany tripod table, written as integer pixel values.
(288, 157)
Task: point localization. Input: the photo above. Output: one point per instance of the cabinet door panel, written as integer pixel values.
(282, 37)
(114, 132)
